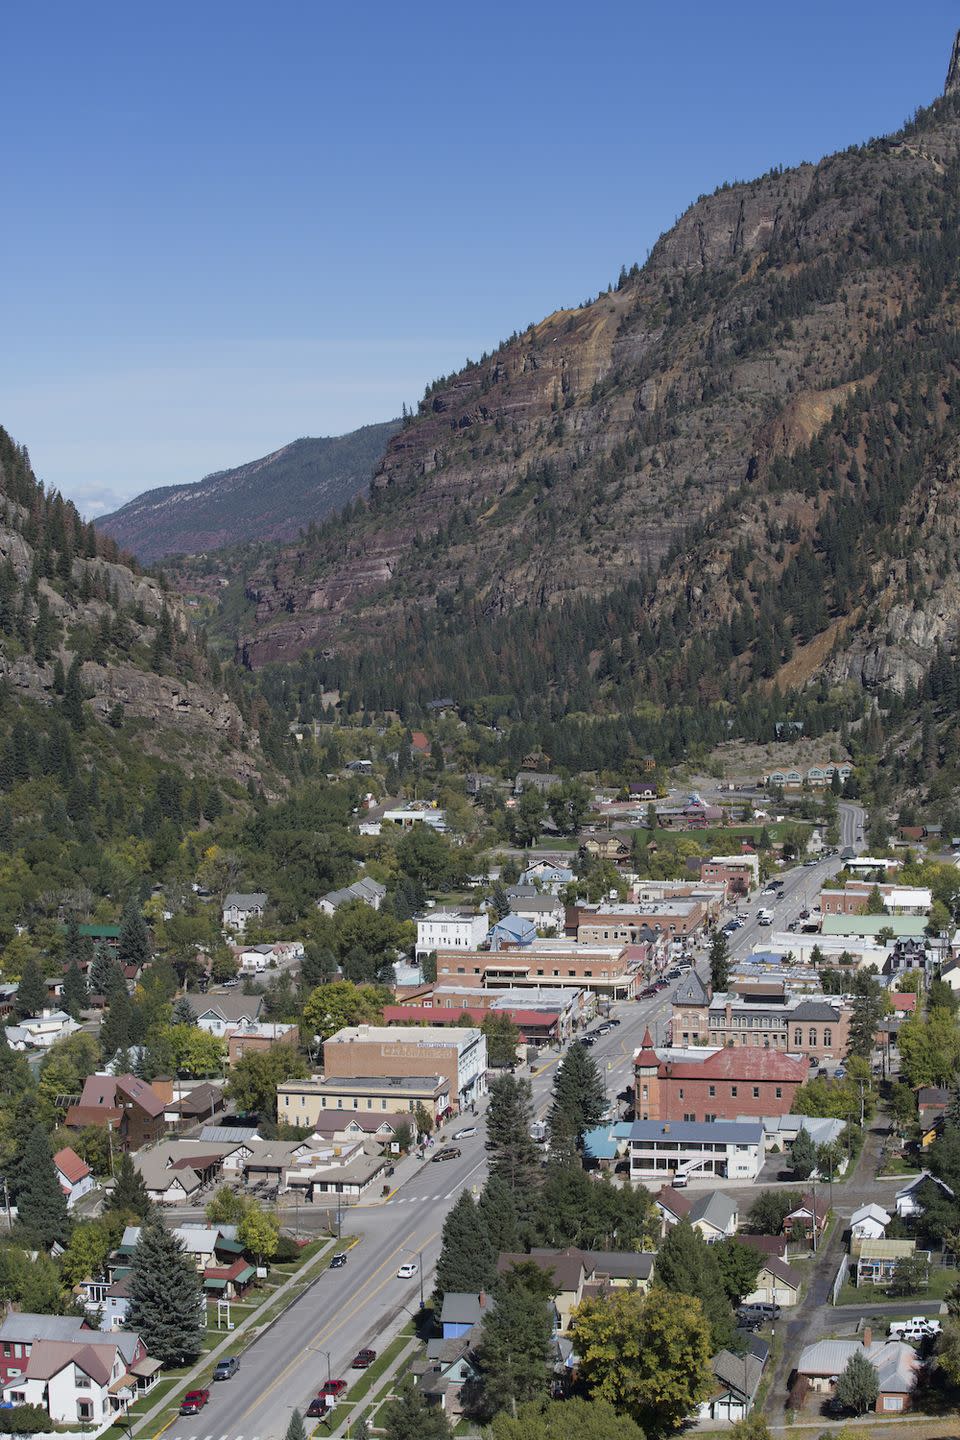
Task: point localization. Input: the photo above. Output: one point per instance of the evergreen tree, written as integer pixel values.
(74, 991)
(409, 1417)
(183, 1012)
(32, 990)
(72, 702)
(116, 1032)
(514, 1157)
(803, 1156)
(579, 1095)
(499, 902)
(296, 1430)
(129, 1194)
(514, 1352)
(134, 946)
(165, 1296)
(467, 1261)
(858, 1385)
(99, 972)
(719, 963)
(41, 1204)
(686, 1265)
(497, 1214)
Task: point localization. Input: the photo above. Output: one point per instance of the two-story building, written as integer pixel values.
(128, 1107)
(314, 1100)
(450, 930)
(662, 1150)
(764, 1015)
(710, 1085)
(458, 1053)
(240, 908)
(613, 971)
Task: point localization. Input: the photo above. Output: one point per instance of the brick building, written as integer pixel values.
(761, 1015)
(626, 923)
(739, 873)
(457, 1053)
(723, 1085)
(613, 970)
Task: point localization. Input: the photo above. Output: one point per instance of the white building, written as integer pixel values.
(450, 930)
(41, 1031)
(75, 1176)
(407, 816)
(869, 1223)
(239, 909)
(727, 1150)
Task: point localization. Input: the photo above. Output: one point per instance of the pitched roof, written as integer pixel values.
(78, 1117)
(245, 900)
(677, 1202)
(24, 1325)
(781, 1271)
(49, 1357)
(775, 1245)
(714, 1208)
(740, 1373)
(619, 1264)
(566, 1266)
(896, 1362)
(228, 1008)
(70, 1165)
(739, 1062)
(461, 1307)
(691, 991)
(141, 1094)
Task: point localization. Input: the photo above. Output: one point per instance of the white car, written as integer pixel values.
(466, 1134)
(406, 1272)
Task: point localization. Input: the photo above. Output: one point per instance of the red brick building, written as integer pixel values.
(721, 1086)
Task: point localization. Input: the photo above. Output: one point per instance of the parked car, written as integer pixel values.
(407, 1270)
(613, 1020)
(466, 1134)
(226, 1367)
(333, 1387)
(449, 1152)
(194, 1401)
(813, 1062)
(363, 1358)
(648, 992)
(338, 1260)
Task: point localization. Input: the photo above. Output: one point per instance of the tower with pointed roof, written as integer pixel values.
(646, 1066)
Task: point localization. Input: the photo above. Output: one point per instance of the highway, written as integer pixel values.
(364, 1303)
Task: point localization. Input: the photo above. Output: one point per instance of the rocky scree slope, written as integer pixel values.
(740, 465)
(268, 499)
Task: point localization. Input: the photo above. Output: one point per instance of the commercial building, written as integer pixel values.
(710, 1085)
(450, 930)
(661, 1150)
(613, 971)
(762, 1014)
(854, 897)
(457, 1053)
(625, 923)
(739, 874)
(307, 1102)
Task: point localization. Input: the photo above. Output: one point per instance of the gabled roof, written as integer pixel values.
(250, 900)
(870, 1212)
(691, 991)
(140, 1093)
(714, 1208)
(71, 1167)
(739, 1373)
(228, 1008)
(462, 1307)
(20, 1325)
(915, 1185)
(566, 1266)
(781, 1271)
(739, 1062)
(675, 1202)
(49, 1357)
(768, 1245)
(896, 1363)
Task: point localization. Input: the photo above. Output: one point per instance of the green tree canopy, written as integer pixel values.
(165, 1296)
(857, 1386)
(686, 1265)
(467, 1260)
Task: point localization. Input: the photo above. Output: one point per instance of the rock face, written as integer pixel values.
(268, 499)
(953, 70)
(644, 430)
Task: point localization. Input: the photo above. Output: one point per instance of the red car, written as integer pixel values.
(194, 1401)
(362, 1359)
(333, 1387)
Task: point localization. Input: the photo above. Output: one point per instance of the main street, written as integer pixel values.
(364, 1303)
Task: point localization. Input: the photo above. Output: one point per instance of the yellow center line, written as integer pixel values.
(327, 1329)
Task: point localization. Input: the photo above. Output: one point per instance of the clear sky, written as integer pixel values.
(225, 225)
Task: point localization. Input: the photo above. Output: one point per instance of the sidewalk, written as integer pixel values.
(230, 1338)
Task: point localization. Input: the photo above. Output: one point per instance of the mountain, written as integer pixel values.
(738, 465)
(267, 499)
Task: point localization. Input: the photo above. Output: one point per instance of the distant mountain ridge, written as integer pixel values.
(271, 498)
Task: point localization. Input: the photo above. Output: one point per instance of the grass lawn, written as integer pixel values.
(899, 1165)
(942, 1279)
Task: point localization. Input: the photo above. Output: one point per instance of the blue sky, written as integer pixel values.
(227, 225)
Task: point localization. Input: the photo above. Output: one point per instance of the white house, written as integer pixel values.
(723, 1149)
(41, 1031)
(869, 1223)
(217, 1014)
(239, 909)
(907, 1201)
(548, 876)
(75, 1176)
(406, 816)
(450, 930)
(367, 890)
(84, 1380)
(546, 912)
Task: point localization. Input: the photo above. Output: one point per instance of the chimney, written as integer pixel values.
(482, 1297)
(867, 1337)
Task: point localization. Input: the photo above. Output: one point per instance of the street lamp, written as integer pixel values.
(419, 1255)
(326, 1355)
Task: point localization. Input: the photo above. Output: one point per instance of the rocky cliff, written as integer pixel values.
(272, 498)
(758, 428)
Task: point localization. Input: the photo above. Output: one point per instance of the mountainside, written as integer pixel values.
(740, 467)
(267, 499)
(87, 639)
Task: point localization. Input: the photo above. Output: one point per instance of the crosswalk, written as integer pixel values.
(421, 1199)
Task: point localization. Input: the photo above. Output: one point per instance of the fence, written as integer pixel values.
(839, 1278)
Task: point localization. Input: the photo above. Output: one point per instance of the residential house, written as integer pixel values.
(728, 1151)
(736, 1380)
(777, 1284)
(877, 1259)
(711, 1212)
(218, 1014)
(808, 1219)
(126, 1106)
(548, 876)
(178, 1171)
(869, 1222)
(513, 931)
(21, 1330)
(74, 1373)
(417, 813)
(541, 780)
(932, 1104)
(450, 930)
(75, 1176)
(909, 1201)
(460, 1311)
(41, 1031)
(575, 1272)
(545, 912)
(240, 909)
(897, 1365)
(366, 890)
(445, 1372)
(201, 1102)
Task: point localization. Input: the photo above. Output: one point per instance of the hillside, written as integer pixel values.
(738, 467)
(272, 498)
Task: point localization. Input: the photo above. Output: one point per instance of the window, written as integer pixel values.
(645, 1095)
(813, 1036)
(85, 1409)
(691, 1117)
(709, 1119)
(798, 1038)
(680, 1093)
(756, 1092)
(711, 1091)
(827, 1039)
(779, 1092)
(733, 1091)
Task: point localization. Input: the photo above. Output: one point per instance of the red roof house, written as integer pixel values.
(75, 1176)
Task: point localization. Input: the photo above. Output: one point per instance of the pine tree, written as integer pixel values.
(467, 1262)
(579, 1096)
(116, 1030)
(165, 1296)
(129, 1194)
(74, 991)
(134, 946)
(409, 1417)
(296, 1430)
(857, 1386)
(497, 1214)
(32, 990)
(499, 902)
(41, 1204)
(686, 1265)
(514, 1157)
(99, 973)
(803, 1156)
(183, 1012)
(72, 703)
(719, 963)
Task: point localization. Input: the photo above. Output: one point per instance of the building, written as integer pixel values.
(544, 912)
(201, 1102)
(366, 890)
(763, 1015)
(458, 1053)
(777, 1284)
(868, 927)
(69, 1369)
(897, 1365)
(129, 1108)
(854, 897)
(807, 1220)
(417, 813)
(727, 1151)
(910, 1201)
(624, 923)
(41, 1031)
(873, 867)
(220, 1014)
(75, 1176)
(249, 1039)
(738, 873)
(548, 876)
(571, 1270)
(816, 777)
(718, 1085)
(711, 1212)
(614, 972)
(877, 1259)
(450, 930)
(177, 1171)
(536, 1027)
(869, 1222)
(239, 909)
(307, 1102)
(736, 1380)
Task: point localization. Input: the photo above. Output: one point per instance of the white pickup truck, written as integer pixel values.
(918, 1327)
(764, 916)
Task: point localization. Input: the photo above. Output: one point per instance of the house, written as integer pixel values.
(548, 876)
(219, 1013)
(545, 912)
(366, 890)
(239, 909)
(909, 1201)
(529, 779)
(711, 1212)
(75, 1176)
(178, 1171)
(21, 1330)
(869, 1222)
(417, 813)
(41, 1031)
(896, 1363)
(877, 1259)
(200, 1103)
(809, 1217)
(450, 930)
(777, 1284)
(461, 1310)
(512, 931)
(74, 1373)
(446, 1371)
(129, 1108)
(932, 1103)
(245, 1039)
(728, 1151)
(736, 1380)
